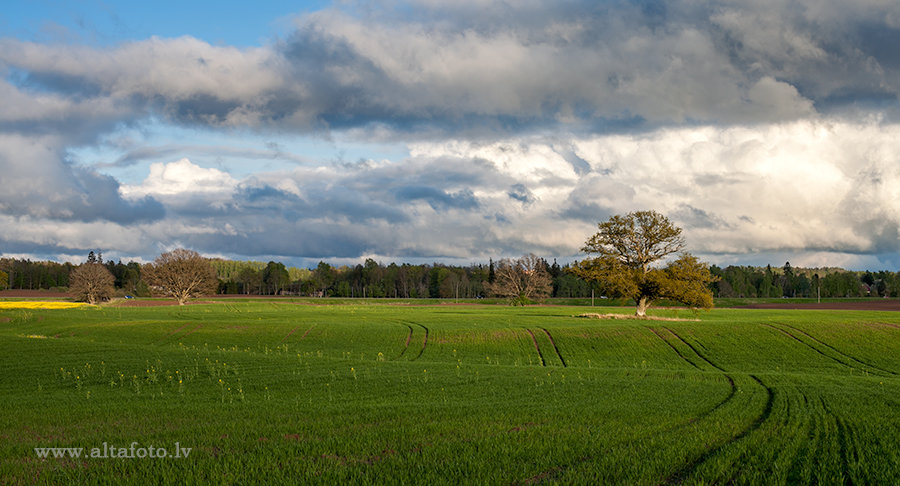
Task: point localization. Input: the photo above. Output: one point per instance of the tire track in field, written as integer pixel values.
(192, 330)
(795, 472)
(292, 332)
(654, 331)
(406, 345)
(700, 355)
(409, 338)
(682, 474)
(554, 473)
(732, 387)
(685, 471)
(842, 438)
(838, 351)
(173, 336)
(424, 342)
(849, 358)
(555, 348)
(536, 347)
(160, 340)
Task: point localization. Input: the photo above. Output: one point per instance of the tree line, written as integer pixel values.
(373, 279)
(793, 282)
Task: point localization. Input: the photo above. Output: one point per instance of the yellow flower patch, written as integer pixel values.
(40, 305)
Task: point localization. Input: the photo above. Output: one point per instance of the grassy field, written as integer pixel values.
(291, 392)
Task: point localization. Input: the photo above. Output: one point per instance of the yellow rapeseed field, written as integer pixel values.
(39, 305)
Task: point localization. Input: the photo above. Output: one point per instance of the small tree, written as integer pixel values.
(183, 274)
(4, 280)
(628, 247)
(91, 283)
(521, 280)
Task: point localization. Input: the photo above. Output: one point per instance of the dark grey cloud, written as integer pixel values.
(438, 199)
(38, 182)
(439, 69)
(521, 193)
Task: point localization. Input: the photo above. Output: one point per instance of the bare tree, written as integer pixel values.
(91, 283)
(521, 280)
(628, 247)
(183, 274)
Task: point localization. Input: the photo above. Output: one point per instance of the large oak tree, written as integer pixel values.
(628, 248)
(183, 274)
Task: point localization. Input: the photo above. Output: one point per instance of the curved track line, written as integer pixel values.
(733, 387)
(408, 339)
(837, 350)
(553, 473)
(682, 474)
(832, 358)
(704, 358)
(555, 348)
(673, 348)
(536, 347)
(424, 342)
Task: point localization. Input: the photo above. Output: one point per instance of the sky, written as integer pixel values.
(428, 131)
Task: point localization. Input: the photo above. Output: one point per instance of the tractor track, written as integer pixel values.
(852, 358)
(849, 359)
(555, 348)
(166, 336)
(536, 346)
(700, 355)
(406, 344)
(682, 474)
(424, 343)
(409, 336)
(553, 474)
(685, 471)
(173, 336)
(654, 331)
(731, 384)
(293, 331)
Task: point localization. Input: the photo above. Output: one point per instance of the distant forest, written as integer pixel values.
(376, 280)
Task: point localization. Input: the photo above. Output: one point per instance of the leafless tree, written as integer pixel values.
(91, 283)
(521, 280)
(183, 274)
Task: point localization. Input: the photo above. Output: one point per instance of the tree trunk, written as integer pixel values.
(642, 306)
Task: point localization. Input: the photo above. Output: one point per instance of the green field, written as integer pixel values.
(291, 392)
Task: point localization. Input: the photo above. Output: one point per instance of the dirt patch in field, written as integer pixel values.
(632, 316)
(869, 305)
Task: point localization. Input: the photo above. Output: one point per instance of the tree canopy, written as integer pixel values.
(91, 282)
(522, 280)
(183, 274)
(629, 246)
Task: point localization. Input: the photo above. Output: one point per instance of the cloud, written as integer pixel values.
(573, 64)
(181, 177)
(764, 128)
(38, 182)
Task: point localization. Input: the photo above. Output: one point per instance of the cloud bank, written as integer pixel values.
(763, 128)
